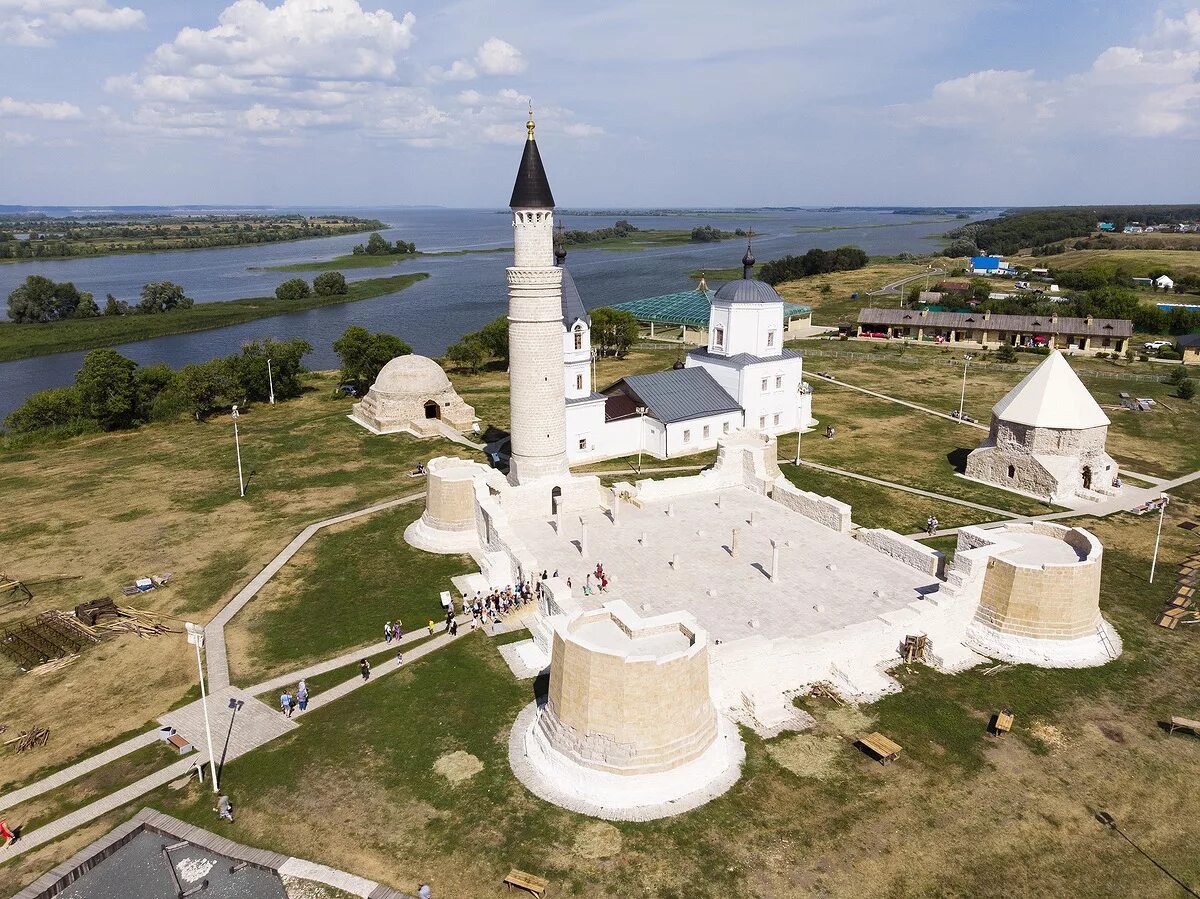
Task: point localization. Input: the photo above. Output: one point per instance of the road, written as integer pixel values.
(894, 287)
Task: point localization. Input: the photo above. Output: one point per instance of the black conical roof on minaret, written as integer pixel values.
(532, 190)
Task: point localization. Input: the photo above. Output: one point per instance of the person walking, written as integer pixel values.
(399, 656)
(387, 632)
(302, 696)
(932, 524)
(423, 892)
(431, 627)
(7, 835)
(453, 628)
(285, 703)
(224, 808)
(364, 668)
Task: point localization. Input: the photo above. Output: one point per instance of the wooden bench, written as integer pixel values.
(1002, 723)
(1178, 723)
(522, 880)
(887, 750)
(180, 743)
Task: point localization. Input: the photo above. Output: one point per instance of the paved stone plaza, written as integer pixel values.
(827, 580)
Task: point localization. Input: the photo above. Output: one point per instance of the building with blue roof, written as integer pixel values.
(991, 265)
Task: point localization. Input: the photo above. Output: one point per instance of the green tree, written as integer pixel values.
(377, 246)
(292, 289)
(470, 352)
(330, 284)
(162, 296)
(113, 306)
(248, 373)
(41, 300)
(150, 381)
(1006, 353)
(54, 408)
(1187, 389)
(108, 389)
(614, 331)
(495, 337)
(363, 354)
(205, 387)
(1177, 376)
(87, 307)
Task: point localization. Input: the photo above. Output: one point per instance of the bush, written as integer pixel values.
(330, 284)
(54, 408)
(292, 289)
(39, 299)
(1006, 354)
(1177, 376)
(1187, 389)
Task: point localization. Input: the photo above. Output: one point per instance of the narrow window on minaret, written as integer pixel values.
(579, 382)
(770, 338)
(579, 338)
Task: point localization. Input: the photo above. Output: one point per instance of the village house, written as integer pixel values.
(987, 330)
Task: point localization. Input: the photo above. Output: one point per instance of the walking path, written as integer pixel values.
(214, 631)
(892, 399)
(926, 493)
(71, 772)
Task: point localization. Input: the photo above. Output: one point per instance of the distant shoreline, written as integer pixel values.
(20, 341)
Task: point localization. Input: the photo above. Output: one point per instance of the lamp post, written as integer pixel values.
(237, 445)
(195, 636)
(271, 382)
(1161, 504)
(963, 396)
(641, 411)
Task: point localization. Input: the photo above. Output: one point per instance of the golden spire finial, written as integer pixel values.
(529, 125)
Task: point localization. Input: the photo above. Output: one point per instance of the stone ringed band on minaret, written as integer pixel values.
(532, 188)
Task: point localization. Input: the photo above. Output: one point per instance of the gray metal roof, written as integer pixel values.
(572, 304)
(1035, 324)
(747, 290)
(679, 394)
(740, 358)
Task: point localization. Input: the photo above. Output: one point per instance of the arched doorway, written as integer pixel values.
(1087, 477)
(432, 410)
(555, 499)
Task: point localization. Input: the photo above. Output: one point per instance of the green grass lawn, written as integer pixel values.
(18, 341)
(337, 592)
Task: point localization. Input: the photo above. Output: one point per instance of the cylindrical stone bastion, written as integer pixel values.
(629, 697)
(448, 522)
(1040, 599)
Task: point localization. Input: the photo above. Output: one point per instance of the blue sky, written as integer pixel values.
(342, 102)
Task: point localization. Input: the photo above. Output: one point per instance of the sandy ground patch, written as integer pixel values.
(458, 766)
(597, 840)
(847, 720)
(299, 888)
(808, 755)
(1049, 735)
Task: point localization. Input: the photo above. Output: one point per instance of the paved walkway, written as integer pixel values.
(892, 399)
(234, 731)
(214, 632)
(71, 772)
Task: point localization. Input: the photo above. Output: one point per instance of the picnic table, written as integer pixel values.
(885, 749)
(522, 880)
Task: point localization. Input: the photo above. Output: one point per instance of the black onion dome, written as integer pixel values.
(748, 259)
(532, 189)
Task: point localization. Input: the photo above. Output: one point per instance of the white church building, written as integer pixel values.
(743, 379)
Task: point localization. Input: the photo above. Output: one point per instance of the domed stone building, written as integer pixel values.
(412, 394)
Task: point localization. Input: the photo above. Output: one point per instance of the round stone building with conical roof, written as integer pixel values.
(1047, 439)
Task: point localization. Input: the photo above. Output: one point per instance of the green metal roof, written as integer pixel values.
(688, 307)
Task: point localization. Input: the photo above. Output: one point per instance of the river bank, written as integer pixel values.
(19, 341)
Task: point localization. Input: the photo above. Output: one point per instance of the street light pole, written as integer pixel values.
(195, 634)
(271, 382)
(1162, 501)
(641, 411)
(963, 396)
(237, 444)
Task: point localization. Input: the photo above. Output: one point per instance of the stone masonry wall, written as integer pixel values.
(825, 510)
(902, 549)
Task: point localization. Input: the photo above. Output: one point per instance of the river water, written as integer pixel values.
(461, 294)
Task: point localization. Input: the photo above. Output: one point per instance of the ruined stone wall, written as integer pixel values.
(825, 510)
(902, 549)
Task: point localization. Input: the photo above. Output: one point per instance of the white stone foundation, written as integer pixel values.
(437, 540)
(552, 776)
(1095, 649)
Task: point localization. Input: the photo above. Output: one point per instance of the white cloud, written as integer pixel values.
(460, 70)
(1150, 89)
(582, 129)
(38, 23)
(469, 97)
(497, 57)
(59, 111)
(16, 138)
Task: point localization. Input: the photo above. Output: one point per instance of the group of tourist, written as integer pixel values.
(289, 703)
(487, 610)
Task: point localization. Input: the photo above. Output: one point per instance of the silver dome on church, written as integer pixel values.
(747, 290)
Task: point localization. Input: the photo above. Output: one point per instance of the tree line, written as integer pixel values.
(1041, 228)
(613, 333)
(377, 246)
(815, 262)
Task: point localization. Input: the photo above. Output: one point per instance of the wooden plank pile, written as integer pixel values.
(45, 638)
(30, 739)
(125, 619)
(1181, 608)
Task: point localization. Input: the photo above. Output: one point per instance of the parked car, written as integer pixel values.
(1157, 344)
(349, 390)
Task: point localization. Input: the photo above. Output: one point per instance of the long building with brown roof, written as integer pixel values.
(988, 330)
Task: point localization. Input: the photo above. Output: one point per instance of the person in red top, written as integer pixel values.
(6, 834)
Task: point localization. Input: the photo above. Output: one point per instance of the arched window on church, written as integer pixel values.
(579, 337)
(718, 337)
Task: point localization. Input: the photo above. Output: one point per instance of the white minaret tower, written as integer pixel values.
(535, 329)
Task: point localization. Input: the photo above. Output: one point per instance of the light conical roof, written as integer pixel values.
(1051, 396)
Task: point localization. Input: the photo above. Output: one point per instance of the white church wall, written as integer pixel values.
(755, 328)
(780, 397)
(698, 434)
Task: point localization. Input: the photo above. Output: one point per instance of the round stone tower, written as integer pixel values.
(535, 342)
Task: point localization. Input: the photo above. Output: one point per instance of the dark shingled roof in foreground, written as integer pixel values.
(676, 395)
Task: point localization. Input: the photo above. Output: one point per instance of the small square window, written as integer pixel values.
(687, 436)
(725, 428)
(583, 443)
(706, 432)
